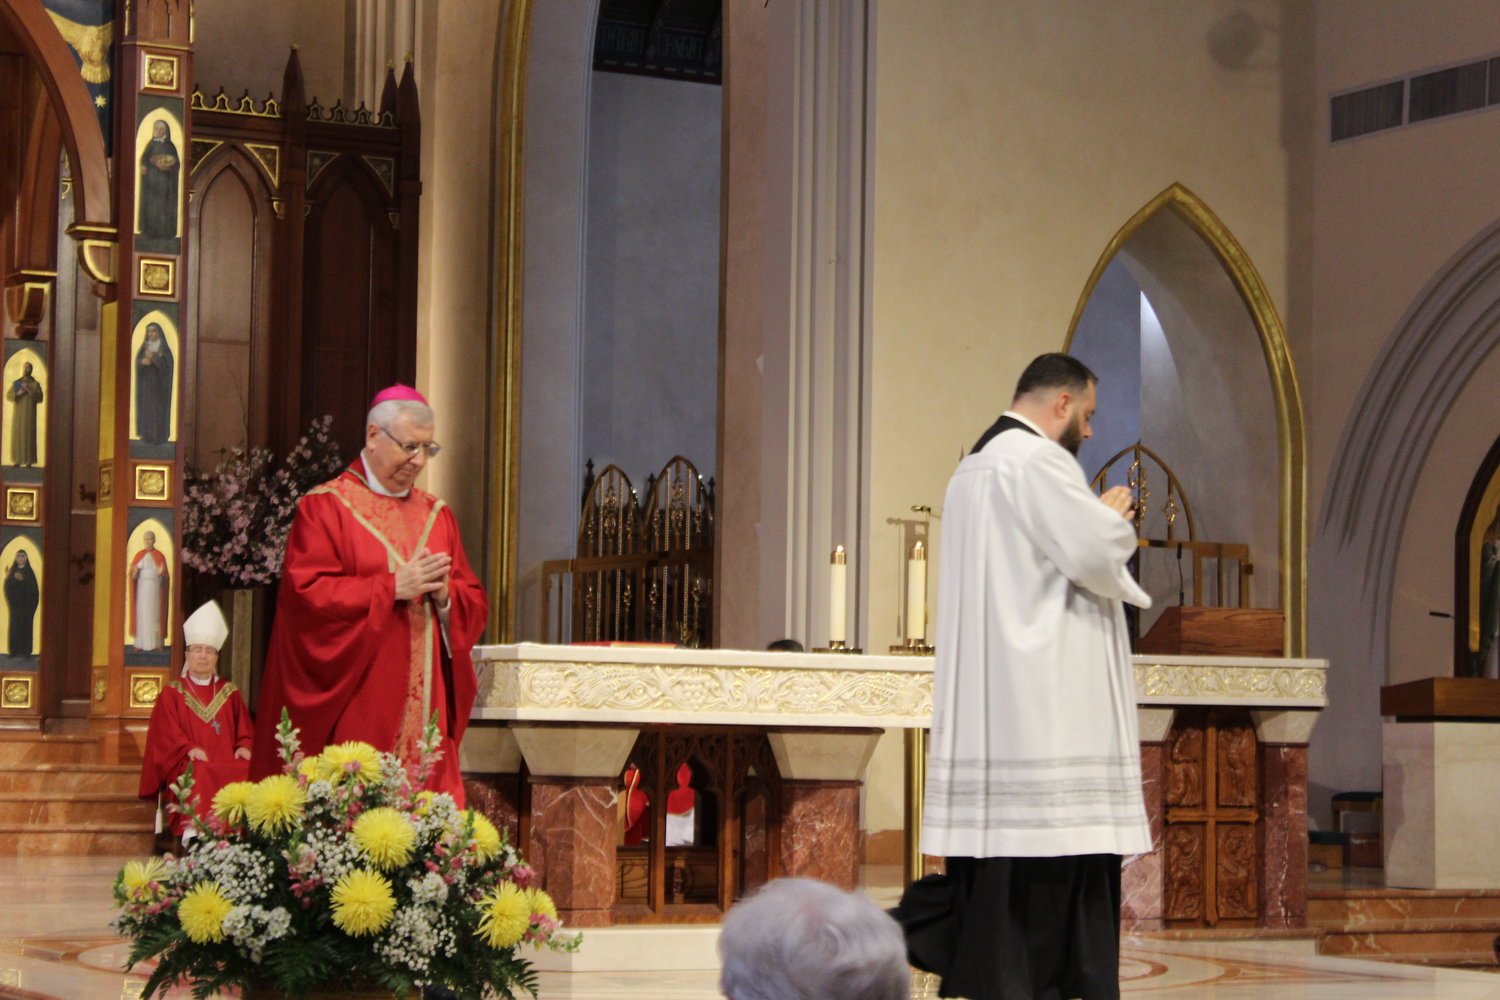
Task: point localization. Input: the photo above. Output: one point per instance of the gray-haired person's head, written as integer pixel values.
(800, 939)
(384, 414)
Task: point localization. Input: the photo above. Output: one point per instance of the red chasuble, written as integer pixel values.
(211, 717)
(347, 660)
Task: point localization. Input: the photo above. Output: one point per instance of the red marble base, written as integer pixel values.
(1141, 881)
(820, 831)
(1283, 835)
(498, 797)
(571, 844)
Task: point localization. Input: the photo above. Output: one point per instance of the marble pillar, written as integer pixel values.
(1282, 830)
(1283, 835)
(490, 759)
(571, 829)
(571, 844)
(820, 778)
(1141, 900)
(820, 831)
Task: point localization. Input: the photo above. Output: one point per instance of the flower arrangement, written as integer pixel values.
(338, 872)
(235, 519)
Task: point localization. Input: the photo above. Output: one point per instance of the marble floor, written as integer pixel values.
(55, 942)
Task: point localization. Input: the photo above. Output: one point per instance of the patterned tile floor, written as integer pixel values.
(55, 942)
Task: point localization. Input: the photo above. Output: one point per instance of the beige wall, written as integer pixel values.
(457, 84)
(1011, 142)
(1393, 211)
(243, 46)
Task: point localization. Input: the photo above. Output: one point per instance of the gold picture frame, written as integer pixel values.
(157, 277)
(23, 503)
(106, 483)
(144, 690)
(153, 482)
(160, 73)
(15, 692)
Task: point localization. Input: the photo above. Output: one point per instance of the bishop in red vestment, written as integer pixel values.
(378, 608)
(198, 719)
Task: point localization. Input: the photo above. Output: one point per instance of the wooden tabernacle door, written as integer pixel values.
(1212, 869)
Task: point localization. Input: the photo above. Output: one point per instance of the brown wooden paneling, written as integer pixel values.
(1435, 698)
(232, 216)
(349, 327)
(1215, 631)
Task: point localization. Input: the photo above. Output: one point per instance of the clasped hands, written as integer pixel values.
(425, 573)
(1120, 500)
(198, 753)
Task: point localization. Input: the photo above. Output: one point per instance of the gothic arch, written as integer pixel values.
(1283, 379)
(1452, 324)
(70, 100)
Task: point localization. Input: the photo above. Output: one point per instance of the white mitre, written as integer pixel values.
(206, 627)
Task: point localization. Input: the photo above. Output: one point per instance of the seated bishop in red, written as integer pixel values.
(378, 609)
(198, 719)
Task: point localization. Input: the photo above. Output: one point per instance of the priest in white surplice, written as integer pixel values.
(1033, 779)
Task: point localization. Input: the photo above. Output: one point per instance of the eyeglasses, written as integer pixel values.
(411, 447)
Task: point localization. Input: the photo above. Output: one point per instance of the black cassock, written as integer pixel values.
(1018, 928)
(21, 596)
(153, 392)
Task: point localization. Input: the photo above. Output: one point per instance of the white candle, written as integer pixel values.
(916, 593)
(837, 575)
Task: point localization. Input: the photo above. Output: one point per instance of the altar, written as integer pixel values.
(656, 785)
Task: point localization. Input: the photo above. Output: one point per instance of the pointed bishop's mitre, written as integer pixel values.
(206, 626)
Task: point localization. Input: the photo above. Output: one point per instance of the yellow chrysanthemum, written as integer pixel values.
(486, 837)
(231, 800)
(386, 836)
(275, 803)
(505, 916)
(541, 903)
(362, 902)
(202, 912)
(309, 768)
(424, 801)
(140, 881)
(341, 761)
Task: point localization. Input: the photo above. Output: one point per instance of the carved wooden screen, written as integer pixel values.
(1212, 863)
(678, 522)
(644, 571)
(605, 593)
(313, 259)
(673, 867)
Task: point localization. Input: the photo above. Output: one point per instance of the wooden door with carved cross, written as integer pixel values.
(1212, 808)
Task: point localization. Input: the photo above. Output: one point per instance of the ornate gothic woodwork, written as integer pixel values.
(644, 570)
(736, 795)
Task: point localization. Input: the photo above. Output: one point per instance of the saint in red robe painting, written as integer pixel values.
(351, 659)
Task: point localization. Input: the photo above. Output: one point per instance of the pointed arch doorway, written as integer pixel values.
(1194, 363)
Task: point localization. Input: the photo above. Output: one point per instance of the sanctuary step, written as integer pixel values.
(56, 798)
(1446, 927)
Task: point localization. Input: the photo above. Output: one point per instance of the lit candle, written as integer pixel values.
(837, 574)
(916, 593)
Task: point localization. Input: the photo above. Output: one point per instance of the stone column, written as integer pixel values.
(1141, 903)
(571, 836)
(820, 778)
(1282, 846)
(490, 759)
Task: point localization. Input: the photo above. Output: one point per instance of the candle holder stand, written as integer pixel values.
(912, 647)
(839, 646)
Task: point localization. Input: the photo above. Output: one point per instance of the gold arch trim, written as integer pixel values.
(505, 398)
(1291, 432)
